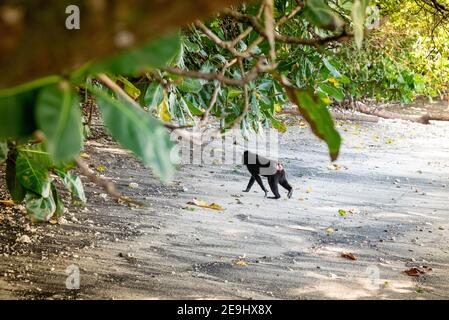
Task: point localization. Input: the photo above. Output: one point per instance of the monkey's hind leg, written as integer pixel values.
(273, 182)
(284, 183)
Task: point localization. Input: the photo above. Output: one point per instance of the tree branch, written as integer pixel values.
(258, 68)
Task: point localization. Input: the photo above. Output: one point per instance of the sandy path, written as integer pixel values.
(393, 177)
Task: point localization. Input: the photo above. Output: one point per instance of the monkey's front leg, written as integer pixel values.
(259, 181)
(250, 184)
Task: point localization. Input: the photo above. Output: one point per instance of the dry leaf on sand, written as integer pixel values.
(348, 255)
(204, 204)
(417, 271)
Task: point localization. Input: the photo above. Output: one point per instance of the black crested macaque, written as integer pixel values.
(274, 171)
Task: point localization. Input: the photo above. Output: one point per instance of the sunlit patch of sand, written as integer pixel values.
(352, 287)
(104, 148)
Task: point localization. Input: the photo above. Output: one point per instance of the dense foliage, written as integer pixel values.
(238, 69)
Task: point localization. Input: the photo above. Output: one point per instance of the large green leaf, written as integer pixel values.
(73, 184)
(321, 15)
(318, 116)
(16, 108)
(16, 118)
(16, 190)
(32, 169)
(58, 115)
(153, 95)
(3, 151)
(138, 131)
(152, 54)
(40, 208)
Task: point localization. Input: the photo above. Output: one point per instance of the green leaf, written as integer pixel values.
(329, 66)
(189, 85)
(332, 91)
(16, 190)
(358, 14)
(232, 93)
(32, 169)
(321, 15)
(192, 108)
(190, 46)
(138, 131)
(16, 108)
(73, 184)
(3, 151)
(280, 126)
(152, 54)
(129, 88)
(58, 115)
(153, 95)
(40, 208)
(318, 116)
(17, 115)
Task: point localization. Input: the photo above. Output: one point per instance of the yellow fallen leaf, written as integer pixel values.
(329, 230)
(53, 221)
(8, 203)
(309, 190)
(240, 263)
(84, 155)
(342, 212)
(204, 204)
(100, 168)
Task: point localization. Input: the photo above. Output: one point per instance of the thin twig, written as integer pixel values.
(107, 186)
(245, 110)
(216, 91)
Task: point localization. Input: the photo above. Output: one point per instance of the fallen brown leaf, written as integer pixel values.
(417, 271)
(348, 255)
